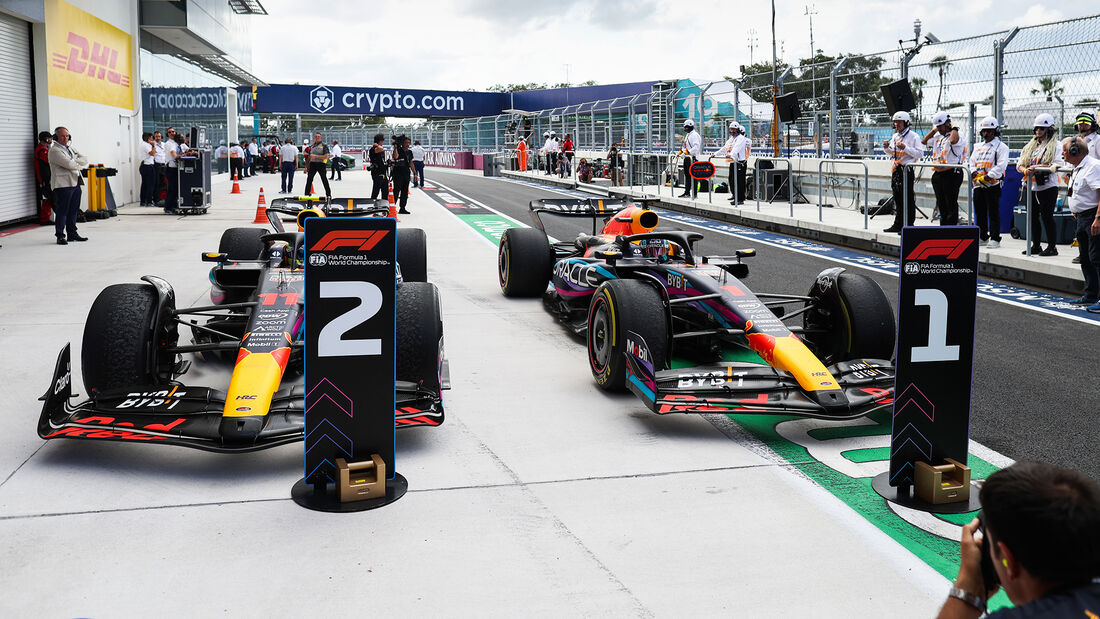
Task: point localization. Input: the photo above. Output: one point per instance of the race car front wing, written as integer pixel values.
(177, 414)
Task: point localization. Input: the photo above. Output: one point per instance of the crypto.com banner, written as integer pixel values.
(298, 99)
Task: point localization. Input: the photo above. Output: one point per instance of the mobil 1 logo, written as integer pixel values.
(937, 297)
(349, 344)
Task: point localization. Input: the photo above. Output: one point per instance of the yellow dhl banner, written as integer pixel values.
(89, 59)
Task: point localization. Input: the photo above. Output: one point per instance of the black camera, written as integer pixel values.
(989, 575)
(1041, 177)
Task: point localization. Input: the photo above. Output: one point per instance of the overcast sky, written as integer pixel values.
(473, 44)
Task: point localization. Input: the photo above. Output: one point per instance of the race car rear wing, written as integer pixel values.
(595, 208)
(332, 207)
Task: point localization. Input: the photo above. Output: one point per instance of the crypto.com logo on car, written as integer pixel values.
(321, 99)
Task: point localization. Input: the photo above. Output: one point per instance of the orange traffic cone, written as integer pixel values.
(364, 165)
(236, 184)
(311, 189)
(393, 204)
(261, 209)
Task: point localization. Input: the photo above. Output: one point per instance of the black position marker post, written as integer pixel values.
(937, 298)
(349, 365)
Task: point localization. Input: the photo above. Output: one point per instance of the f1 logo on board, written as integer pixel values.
(362, 240)
(321, 99)
(949, 248)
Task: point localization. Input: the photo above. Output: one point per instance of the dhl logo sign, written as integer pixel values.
(89, 59)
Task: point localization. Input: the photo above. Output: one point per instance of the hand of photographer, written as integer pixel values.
(969, 578)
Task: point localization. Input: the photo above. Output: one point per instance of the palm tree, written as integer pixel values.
(1049, 87)
(918, 92)
(941, 65)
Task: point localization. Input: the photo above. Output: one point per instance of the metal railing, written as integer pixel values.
(969, 188)
(790, 180)
(821, 186)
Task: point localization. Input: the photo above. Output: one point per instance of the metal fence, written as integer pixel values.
(1051, 68)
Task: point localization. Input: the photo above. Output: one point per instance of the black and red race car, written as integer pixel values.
(132, 357)
(684, 332)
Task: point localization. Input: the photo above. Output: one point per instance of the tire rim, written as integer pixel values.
(599, 340)
(502, 265)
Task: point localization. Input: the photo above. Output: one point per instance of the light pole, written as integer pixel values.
(810, 12)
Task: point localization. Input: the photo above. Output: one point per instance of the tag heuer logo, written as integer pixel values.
(321, 99)
(318, 260)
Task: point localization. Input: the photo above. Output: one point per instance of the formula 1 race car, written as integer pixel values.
(132, 354)
(685, 334)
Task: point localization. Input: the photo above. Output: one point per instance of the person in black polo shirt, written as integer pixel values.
(318, 155)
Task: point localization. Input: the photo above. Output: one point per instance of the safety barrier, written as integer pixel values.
(969, 188)
(866, 186)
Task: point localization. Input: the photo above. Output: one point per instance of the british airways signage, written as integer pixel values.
(321, 99)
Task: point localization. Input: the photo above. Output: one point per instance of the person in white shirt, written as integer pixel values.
(1084, 198)
(948, 146)
(988, 163)
(337, 164)
(147, 169)
(158, 164)
(288, 163)
(418, 163)
(1088, 131)
(555, 152)
(236, 160)
(906, 148)
(547, 144)
(172, 152)
(250, 158)
(691, 149)
(221, 157)
(1037, 160)
(736, 149)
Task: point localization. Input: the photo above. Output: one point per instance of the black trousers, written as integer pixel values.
(381, 188)
(987, 212)
(401, 187)
(689, 183)
(737, 180)
(171, 203)
(946, 184)
(337, 169)
(902, 181)
(317, 167)
(236, 167)
(1088, 248)
(1042, 209)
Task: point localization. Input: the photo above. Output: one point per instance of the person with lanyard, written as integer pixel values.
(66, 164)
(1088, 131)
(418, 164)
(692, 149)
(172, 153)
(42, 176)
(988, 163)
(236, 159)
(378, 167)
(147, 169)
(159, 159)
(402, 172)
(318, 156)
(1084, 199)
(288, 158)
(253, 155)
(736, 149)
(337, 162)
(948, 146)
(906, 148)
(1037, 159)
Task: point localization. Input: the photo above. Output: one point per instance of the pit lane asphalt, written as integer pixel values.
(1035, 388)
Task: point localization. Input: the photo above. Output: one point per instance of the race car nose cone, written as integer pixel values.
(834, 402)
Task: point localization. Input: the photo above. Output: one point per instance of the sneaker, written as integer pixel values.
(983, 242)
(1094, 308)
(1084, 300)
(993, 244)
(1050, 251)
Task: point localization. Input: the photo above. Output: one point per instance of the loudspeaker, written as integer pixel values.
(898, 97)
(787, 106)
(776, 185)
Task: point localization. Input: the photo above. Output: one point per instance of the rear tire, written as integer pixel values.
(619, 307)
(242, 243)
(121, 348)
(412, 254)
(419, 344)
(524, 262)
(858, 326)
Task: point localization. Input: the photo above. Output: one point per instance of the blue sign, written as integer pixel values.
(297, 99)
(162, 101)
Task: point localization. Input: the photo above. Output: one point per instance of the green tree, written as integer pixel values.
(918, 84)
(1049, 87)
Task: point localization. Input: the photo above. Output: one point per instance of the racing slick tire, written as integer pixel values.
(412, 254)
(857, 319)
(618, 307)
(524, 262)
(123, 339)
(419, 332)
(242, 243)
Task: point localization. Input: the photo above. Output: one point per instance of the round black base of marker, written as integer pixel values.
(329, 500)
(881, 484)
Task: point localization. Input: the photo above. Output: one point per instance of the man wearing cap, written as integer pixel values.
(949, 147)
(906, 148)
(988, 163)
(1084, 198)
(692, 149)
(1088, 131)
(736, 149)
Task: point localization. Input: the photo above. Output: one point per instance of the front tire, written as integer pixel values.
(124, 340)
(857, 320)
(419, 332)
(524, 262)
(412, 254)
(621, 309)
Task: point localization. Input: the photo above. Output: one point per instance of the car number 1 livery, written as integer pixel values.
(685, 334)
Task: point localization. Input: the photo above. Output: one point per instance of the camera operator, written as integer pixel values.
(1042, 535)
(65, 166)
(947, 147)
(318, 155)
(905, 147)
(402, 172)
(692, 149)
(736, 149)
(378, 166)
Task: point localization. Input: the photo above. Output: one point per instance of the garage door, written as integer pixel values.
(16, 122)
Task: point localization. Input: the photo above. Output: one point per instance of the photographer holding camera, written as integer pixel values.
(402, 171)
(377, 157)
(1036, 160)
(1041, 542)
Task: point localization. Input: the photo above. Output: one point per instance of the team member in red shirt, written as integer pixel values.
(42, 176)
